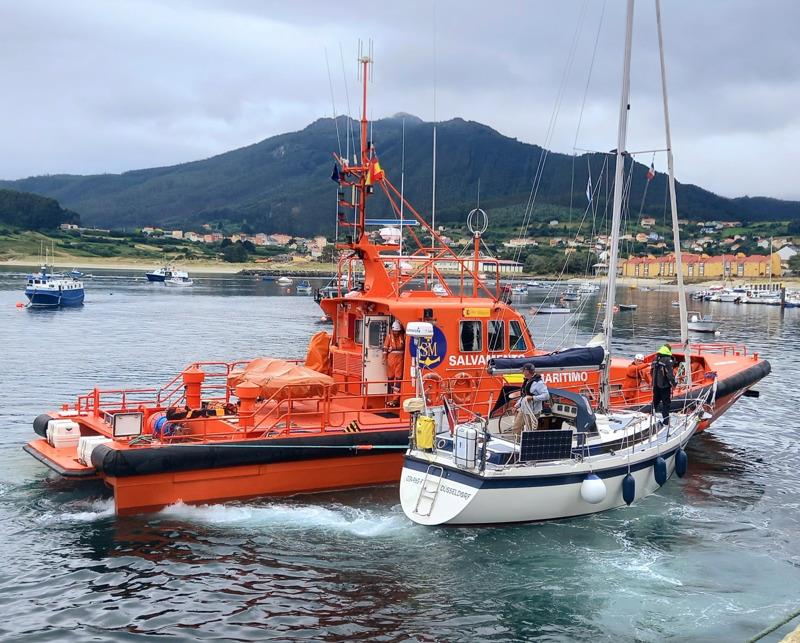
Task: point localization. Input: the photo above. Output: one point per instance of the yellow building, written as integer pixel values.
(703, 266)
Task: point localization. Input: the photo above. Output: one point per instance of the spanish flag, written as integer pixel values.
(375, 172)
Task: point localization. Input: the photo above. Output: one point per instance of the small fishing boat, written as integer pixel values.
(627, 306)
(439, 290)
(284, 280)
(75, 273)
(577, 462)
(729, 295)
(552, 309)
(269, 278)
(159, 274)
(570, 295)
(520, 289)
(534, 284)
(46, 289)
(179, 278)
(304, 287)
(587, 287)
(700, 323)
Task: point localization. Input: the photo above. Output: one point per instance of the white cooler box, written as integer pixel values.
(63, 434)
(86, 445)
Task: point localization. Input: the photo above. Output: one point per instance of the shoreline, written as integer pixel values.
(321, 270)
(199, 267)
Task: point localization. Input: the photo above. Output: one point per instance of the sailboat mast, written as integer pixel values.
(364, 61)
(676, 238)
(616, 215)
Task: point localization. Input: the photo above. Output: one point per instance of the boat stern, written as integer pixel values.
(63, 460)
(428, 496)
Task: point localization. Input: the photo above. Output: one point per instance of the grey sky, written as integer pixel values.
(111, 85)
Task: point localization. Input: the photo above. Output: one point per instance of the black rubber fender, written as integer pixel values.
(40, 424)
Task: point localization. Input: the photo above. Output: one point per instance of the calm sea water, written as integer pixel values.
(714, 556)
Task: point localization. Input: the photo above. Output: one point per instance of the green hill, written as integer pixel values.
(32, 212)
(282, 183)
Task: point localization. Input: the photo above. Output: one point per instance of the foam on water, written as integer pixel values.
(81, 511)
(337, 518)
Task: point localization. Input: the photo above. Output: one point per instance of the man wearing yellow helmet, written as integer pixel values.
(662, 375)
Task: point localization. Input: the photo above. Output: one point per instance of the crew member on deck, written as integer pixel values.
(529, 406)
(637, 377)
(395, 349)
(663, 377)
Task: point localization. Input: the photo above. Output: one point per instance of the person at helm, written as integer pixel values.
(529, 406)
(395, 349)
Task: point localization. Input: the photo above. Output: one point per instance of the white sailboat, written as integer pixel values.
(580, 463)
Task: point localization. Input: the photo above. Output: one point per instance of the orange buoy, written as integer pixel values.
(20, 304)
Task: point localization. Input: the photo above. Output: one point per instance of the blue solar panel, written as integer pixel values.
(545, 445)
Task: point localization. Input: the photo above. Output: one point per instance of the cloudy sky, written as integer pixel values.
(111, 85)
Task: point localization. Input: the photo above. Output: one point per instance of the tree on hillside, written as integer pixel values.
(33, 212)
(236, 253)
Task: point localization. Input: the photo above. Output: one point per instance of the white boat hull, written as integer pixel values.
(462, 504)
(529, 493)
(703, 326)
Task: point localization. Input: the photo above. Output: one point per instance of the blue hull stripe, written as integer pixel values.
(478, 482)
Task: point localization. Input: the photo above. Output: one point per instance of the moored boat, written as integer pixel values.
(700, 323)
(179, 278)
(46, 289)
(159, 275)
(304, 287)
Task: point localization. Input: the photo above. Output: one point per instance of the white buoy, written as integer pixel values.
(593, 489)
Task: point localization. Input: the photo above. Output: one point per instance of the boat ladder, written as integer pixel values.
(428, 494)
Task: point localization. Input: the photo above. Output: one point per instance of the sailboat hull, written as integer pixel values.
(471, 499)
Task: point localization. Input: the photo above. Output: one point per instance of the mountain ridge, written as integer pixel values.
(281, 183)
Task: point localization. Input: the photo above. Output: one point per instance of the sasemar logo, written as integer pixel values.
(430, 352)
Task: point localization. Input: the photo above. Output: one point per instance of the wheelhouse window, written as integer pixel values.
(376, 333)
(470, 336)
(516, 337)
(358, 335)
(496, 335)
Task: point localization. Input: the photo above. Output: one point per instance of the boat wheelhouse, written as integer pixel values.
(46, 289)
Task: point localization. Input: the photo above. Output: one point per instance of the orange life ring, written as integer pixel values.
(462, 388)
(432, 386)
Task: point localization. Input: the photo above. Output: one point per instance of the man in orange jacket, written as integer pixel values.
(395, 349)
(637, 376)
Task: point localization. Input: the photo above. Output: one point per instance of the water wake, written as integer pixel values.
(334, 518)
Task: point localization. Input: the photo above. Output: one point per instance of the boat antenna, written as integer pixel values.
(402, 184)
(477, 222)
(333, 102)
(349, 127)
(622, 131)
(433, 180)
